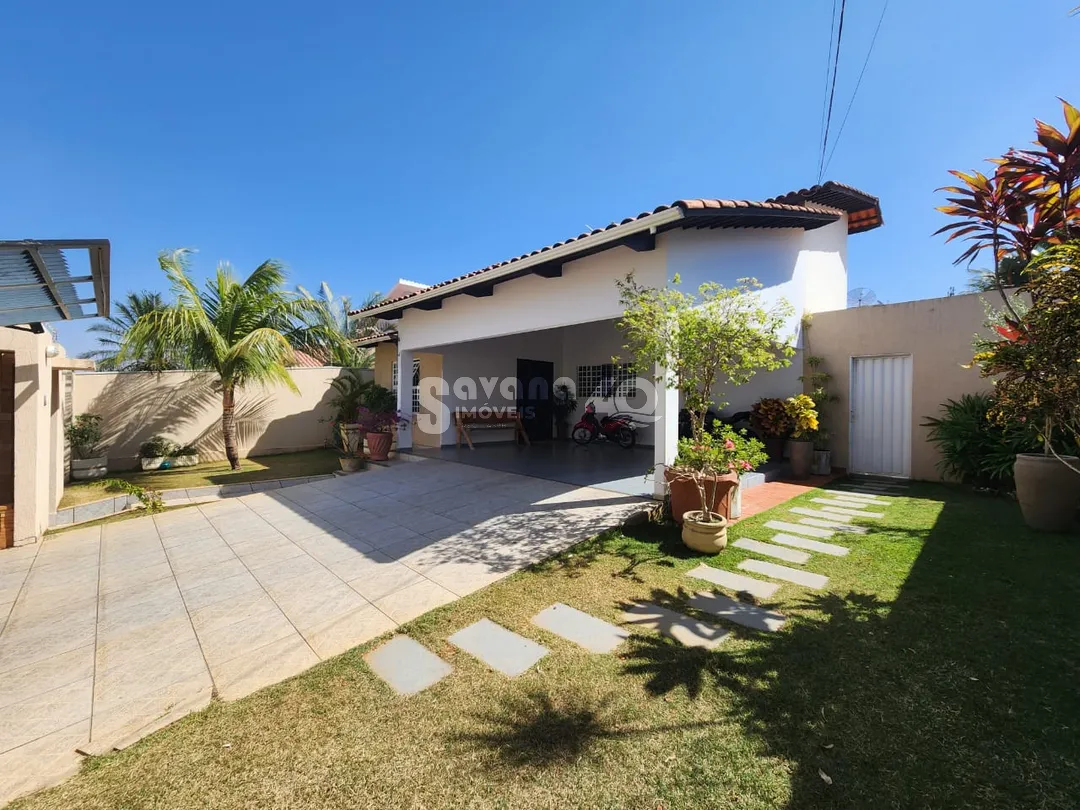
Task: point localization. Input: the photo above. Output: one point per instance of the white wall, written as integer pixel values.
(585, 292)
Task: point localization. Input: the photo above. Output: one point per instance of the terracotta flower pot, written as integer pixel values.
(1048, 491)
(704, 533)
(685, 497)
(802, 459)
(379, 445)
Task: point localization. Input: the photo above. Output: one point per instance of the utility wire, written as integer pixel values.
(854, 93)
(828, 73)
(832, 90)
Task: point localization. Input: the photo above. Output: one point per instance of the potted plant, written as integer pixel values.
(818, 382)
(769, 417)
(84, 437)
(716, 338)
(379, 416)
(351, 450)
(564, 405)
(347, 435)
(712, 464)
(185, 456)
(156, 454)
(1036, 362)
(804, 424)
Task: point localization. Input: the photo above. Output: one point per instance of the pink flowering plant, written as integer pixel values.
(711, 455)
(372, 421)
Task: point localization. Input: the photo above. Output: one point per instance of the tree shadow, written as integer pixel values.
(960, 692)
(541, 729)
(649, 543)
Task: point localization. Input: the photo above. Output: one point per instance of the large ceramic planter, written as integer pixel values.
(774, 447)
(352, 438)
(154, 463)
(1048, 491)
(379, 445)
(685, 497)
(802, 459)
(83, 469)
(168, 462)
(704, 533)
(352, 463)
(822, 462)
(189, 460)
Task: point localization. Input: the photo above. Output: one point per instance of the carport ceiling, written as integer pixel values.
(37, 285)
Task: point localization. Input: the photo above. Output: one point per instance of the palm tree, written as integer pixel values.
(159, 355)
(1010, 273)
(244, 331)
(334, 314)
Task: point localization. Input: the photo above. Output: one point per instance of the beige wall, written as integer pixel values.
(38, 447)
(936, 332)
(185, 406)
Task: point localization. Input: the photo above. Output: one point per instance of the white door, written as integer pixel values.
(881, 416)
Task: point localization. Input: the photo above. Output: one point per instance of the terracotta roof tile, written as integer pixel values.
(794, 201)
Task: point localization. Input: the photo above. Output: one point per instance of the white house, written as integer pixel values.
(550, 314)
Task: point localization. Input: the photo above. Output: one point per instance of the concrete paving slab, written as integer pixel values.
(501, 649)
(262, 667)
(43, 762)
(842, 510)
(683, 629)
(414, 600)
(852, 493)
(798, 528)
(406, 665)
(44, 713)
(769, 550)
(835, 525)
(822, 515)
(463, 577)
(587, 631)
(23, 683)
(734, 582)
(337, 634)
(793, 575)
(387, 579)
(740, 613)
(810, 545)
(849, 503)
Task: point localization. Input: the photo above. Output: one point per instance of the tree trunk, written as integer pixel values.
(228, 425)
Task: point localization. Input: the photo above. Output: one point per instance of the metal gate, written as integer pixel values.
(881, 416)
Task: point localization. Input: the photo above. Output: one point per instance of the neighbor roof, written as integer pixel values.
(36, 284)
(806, 209)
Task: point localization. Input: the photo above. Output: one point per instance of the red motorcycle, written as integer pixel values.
(618, 427)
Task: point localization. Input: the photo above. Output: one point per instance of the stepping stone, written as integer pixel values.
(876, 491)
(406, 665)
(769, 550)
(798, 528)
(810, 545)
(842, 510)
(801, 510)
(850, 493)
(752, 616)
(688, 632)
(775, 571)
(829, 524)
(734, 582)
(594, 634)
(499, 648)
(848, 503)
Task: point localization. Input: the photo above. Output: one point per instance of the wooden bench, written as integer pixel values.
(507, 418)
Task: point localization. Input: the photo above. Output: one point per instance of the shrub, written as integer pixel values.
(769, 417)
(157, 447)
(186, 450)
(803, 414)
(84, 435)
(975, 449)
(380, 400)
(714, 454)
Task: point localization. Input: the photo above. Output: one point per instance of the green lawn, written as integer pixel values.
(260, 468)
(940, 669)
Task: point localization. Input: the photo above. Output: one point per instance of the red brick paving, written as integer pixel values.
(773, 493)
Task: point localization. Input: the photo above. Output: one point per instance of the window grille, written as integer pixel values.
(604, 381)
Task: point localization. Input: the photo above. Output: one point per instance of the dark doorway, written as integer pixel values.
(535, 381)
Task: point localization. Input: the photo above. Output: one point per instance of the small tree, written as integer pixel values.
(718, 336)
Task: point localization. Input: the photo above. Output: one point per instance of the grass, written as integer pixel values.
(939, 669)
(259, 468)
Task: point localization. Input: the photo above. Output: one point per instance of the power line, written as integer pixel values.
(828, 73)
(854, 93)
(832, 91)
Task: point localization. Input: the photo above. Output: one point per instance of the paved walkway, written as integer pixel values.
(108, 633)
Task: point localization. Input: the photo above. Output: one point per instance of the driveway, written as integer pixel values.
(109, 633)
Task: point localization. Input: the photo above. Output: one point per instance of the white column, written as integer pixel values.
(666, 431)
(404, 397)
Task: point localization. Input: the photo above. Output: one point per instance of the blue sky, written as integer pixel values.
(363, 142)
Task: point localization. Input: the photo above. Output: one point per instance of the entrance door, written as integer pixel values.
(7, 449)
(535, 381)
(881, 416)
